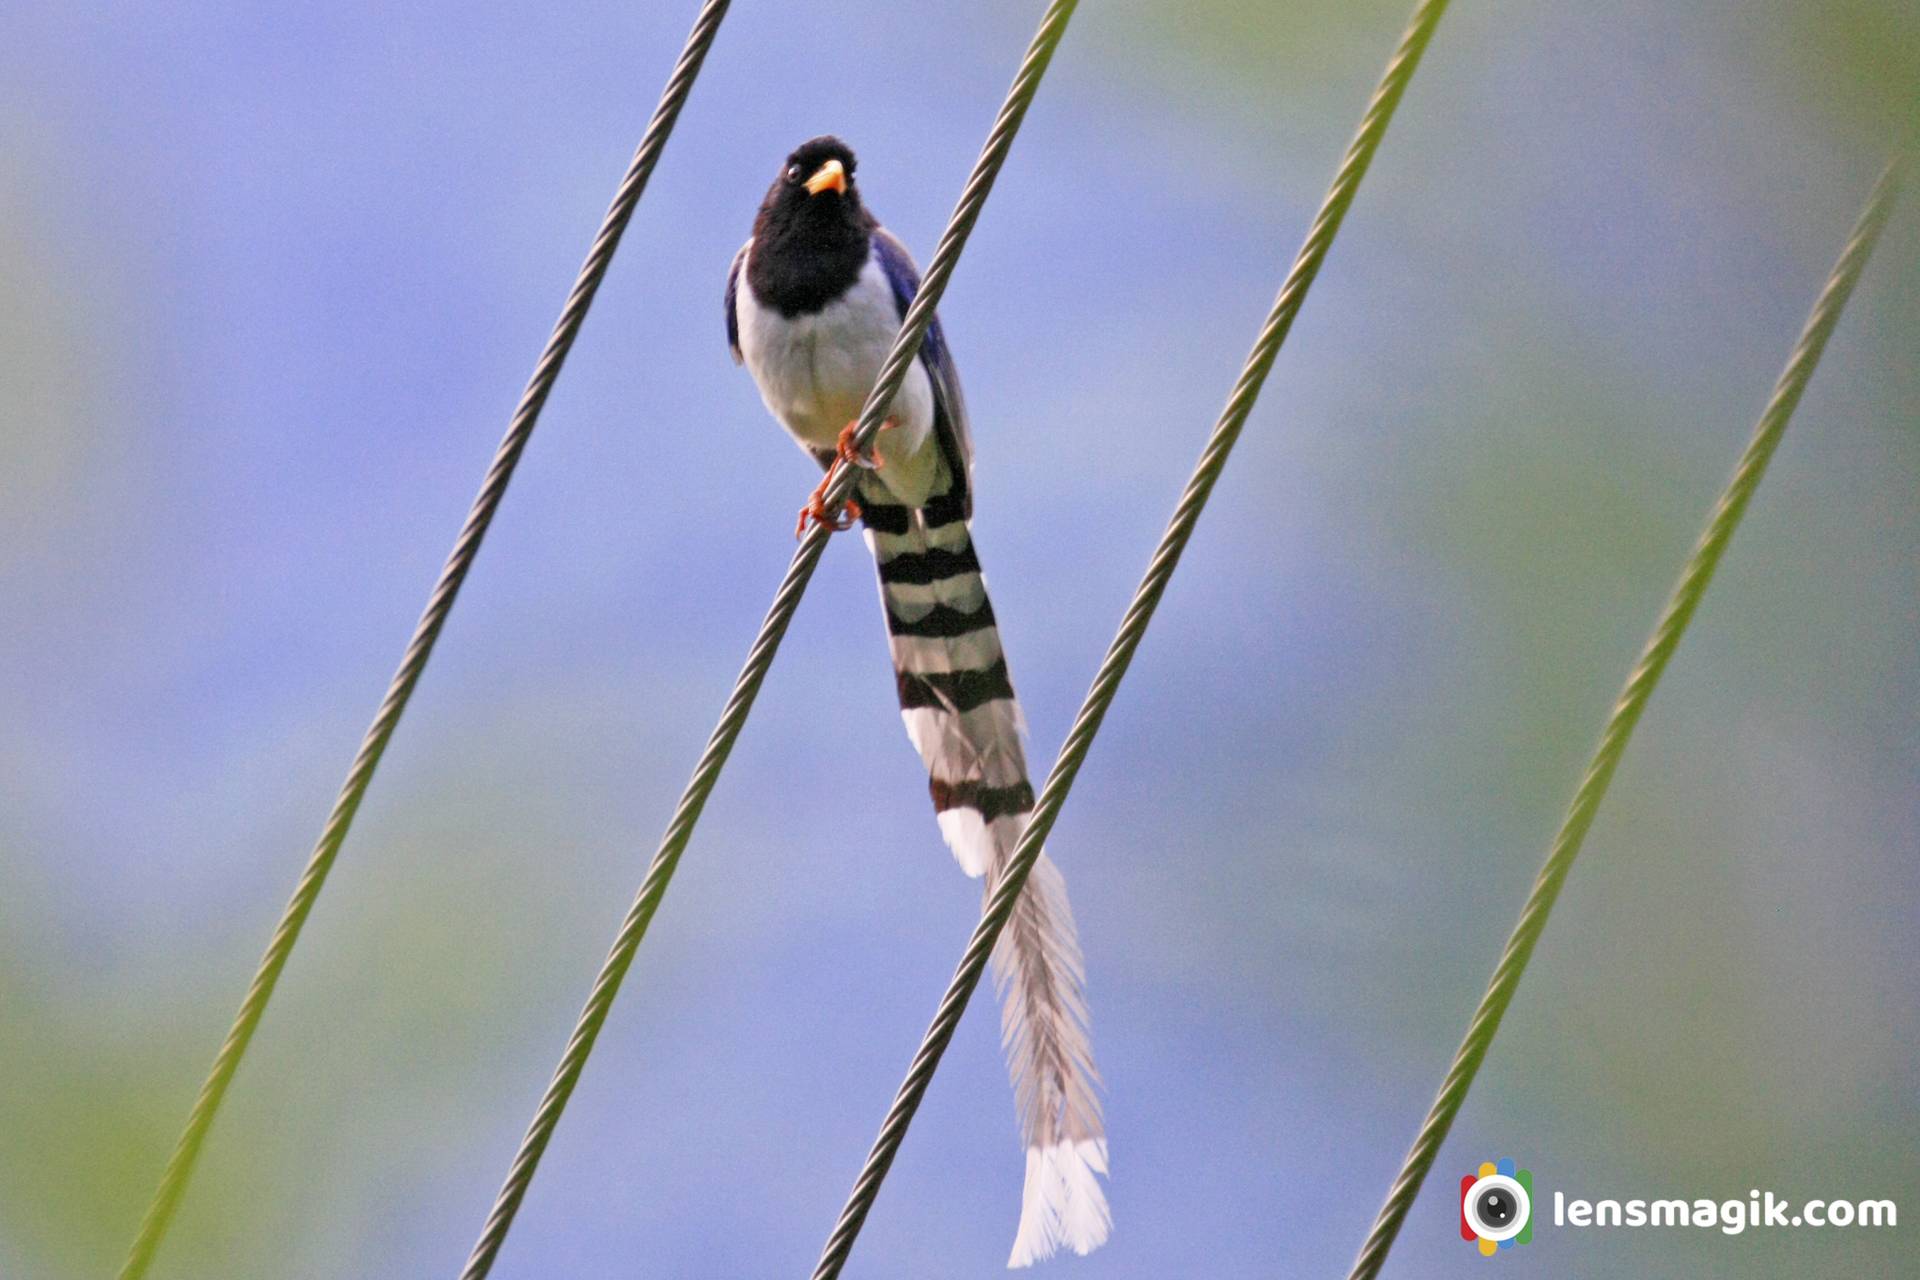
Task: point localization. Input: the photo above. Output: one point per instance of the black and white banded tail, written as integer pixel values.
(960, 710)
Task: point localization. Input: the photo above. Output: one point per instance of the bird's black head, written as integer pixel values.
(816, 183)
(811, 237)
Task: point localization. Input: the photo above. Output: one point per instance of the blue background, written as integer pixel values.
(271, 279)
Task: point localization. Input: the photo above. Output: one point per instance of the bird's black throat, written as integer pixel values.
(808, 249)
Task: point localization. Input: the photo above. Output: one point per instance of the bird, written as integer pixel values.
(814, 301)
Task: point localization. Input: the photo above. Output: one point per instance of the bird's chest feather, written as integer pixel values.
(815, 369)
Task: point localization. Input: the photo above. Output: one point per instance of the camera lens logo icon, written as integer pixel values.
(1496, 1206)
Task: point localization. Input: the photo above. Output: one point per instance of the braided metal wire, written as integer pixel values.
(733, 717)
(1699, 571)
(1133, 627)
(180, 1165)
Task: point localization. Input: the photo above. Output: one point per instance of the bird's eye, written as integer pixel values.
(793, 173)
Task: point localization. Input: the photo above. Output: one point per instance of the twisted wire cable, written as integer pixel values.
(746, 687)
(1133, 627)
(1685, 598)
(186, 1152)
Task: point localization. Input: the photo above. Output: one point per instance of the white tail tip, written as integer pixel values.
(1063, 1203)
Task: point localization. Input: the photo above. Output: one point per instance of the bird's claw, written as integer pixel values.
(817, 512)
(853, 457)
(844, 455)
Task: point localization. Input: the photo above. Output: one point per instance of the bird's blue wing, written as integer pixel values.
(949, 406)
(733, 295)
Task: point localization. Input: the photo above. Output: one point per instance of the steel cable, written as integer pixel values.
(180, 1164)
(1133, 627)
(746, 687)
(1685, 598)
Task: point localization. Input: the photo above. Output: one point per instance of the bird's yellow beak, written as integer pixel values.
(831, 174)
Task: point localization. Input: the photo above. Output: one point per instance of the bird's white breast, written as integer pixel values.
(815, 371)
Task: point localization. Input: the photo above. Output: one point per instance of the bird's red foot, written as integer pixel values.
(846, 452)
(817, 512)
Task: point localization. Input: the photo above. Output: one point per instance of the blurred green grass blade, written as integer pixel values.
(1681, 604)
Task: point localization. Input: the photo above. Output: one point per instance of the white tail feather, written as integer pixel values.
(1043, 1024)
(974, 840)
(1063, 1206)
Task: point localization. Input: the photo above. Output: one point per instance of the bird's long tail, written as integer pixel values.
(962, 716)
